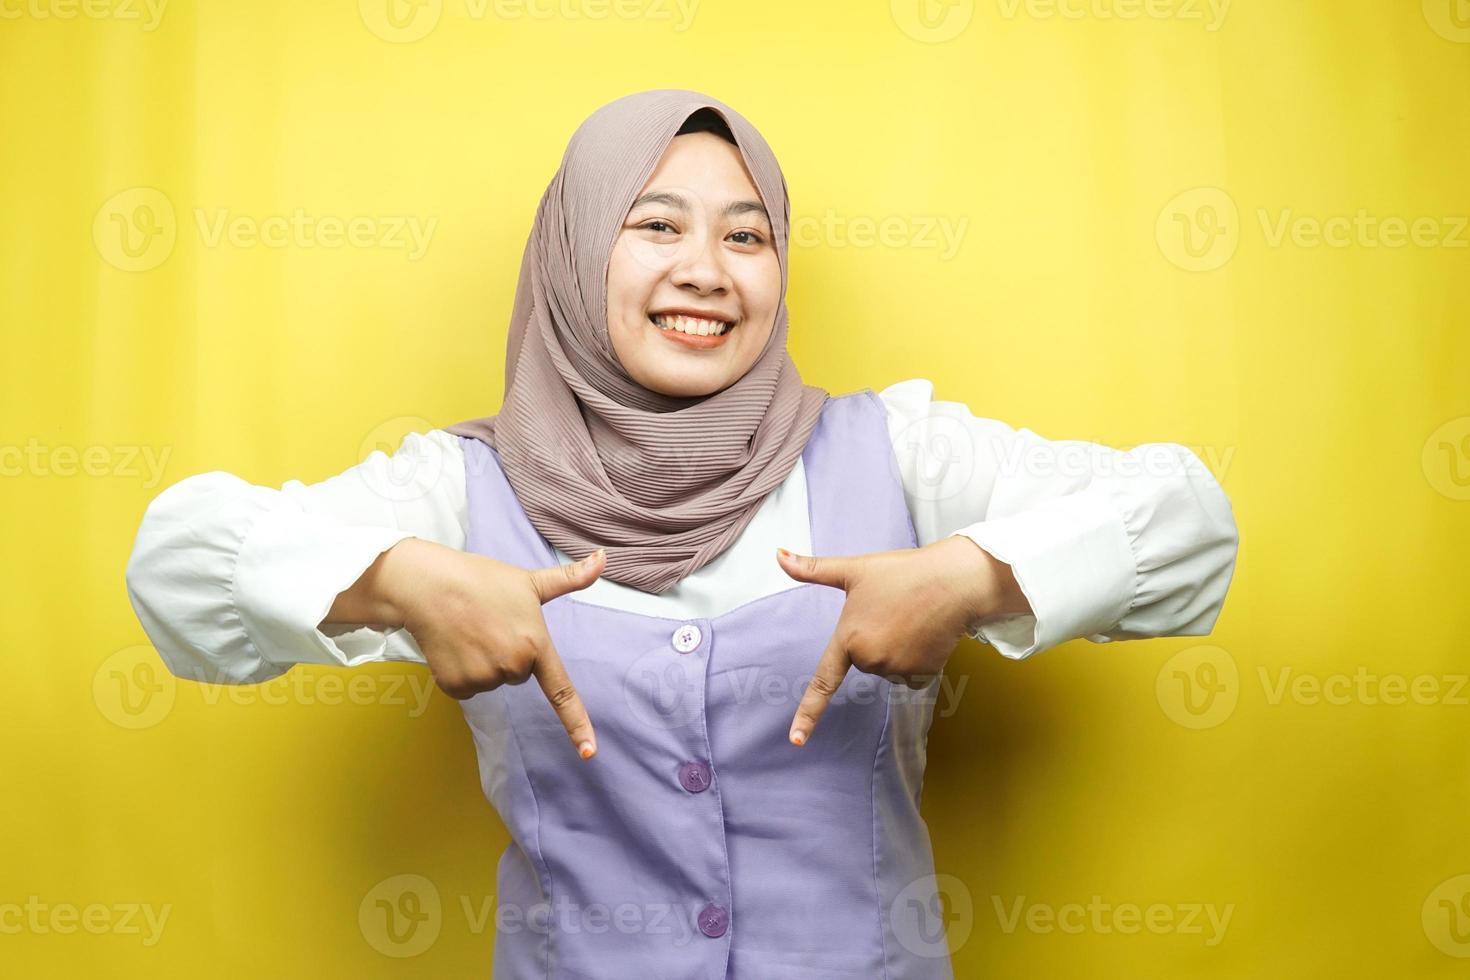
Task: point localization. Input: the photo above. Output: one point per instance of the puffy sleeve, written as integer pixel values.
(231, 580)
(1106, 544)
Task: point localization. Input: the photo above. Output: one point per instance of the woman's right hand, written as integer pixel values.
(478, 621)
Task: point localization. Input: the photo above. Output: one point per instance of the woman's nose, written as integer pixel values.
(701, 265)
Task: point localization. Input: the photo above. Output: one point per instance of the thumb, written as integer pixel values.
(561, 579)
(826, 570)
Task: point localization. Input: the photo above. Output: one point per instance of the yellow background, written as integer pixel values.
(1328, 386)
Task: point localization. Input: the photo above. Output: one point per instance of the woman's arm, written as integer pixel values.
(1104, 544)
(232, 581)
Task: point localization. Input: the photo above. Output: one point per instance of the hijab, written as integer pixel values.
(665, 484)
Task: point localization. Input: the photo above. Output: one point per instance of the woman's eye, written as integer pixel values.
(753, 238)
(657, 225)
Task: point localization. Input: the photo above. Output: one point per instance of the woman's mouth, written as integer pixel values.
(692, 331)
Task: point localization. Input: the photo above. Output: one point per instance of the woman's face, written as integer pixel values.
(697, 242)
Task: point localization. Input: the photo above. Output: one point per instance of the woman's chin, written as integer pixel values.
(681, 379)
(678, 369)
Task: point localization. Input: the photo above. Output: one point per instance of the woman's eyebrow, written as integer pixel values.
(736, 208)
(680, 203)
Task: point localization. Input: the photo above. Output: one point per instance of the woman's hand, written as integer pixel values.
(478, 621)
(903, 614)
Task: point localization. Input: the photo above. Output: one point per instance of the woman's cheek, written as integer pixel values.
(649, 260)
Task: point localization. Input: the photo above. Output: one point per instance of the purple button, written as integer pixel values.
(713, 919)
(694, 776)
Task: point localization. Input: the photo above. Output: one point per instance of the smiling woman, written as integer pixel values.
(665, 463)
(694, 282)
(690, 550)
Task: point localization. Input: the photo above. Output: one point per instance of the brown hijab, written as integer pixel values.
(664, 483)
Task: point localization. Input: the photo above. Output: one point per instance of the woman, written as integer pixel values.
(735, 800)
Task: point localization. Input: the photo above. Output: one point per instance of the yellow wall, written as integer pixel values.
(1068, 149)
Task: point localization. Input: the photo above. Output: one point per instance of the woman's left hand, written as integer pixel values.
(905, 611)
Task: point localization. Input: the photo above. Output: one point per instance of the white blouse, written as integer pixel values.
(231, 580)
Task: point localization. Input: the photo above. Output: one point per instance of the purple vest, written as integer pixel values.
(699, 844)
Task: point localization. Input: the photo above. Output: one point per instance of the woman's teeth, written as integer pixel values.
(690, 324)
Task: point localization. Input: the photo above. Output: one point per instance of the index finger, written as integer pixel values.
(831, 669)
(551, 674)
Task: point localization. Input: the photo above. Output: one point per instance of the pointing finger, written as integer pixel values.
(831, 669)
(551, 674)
